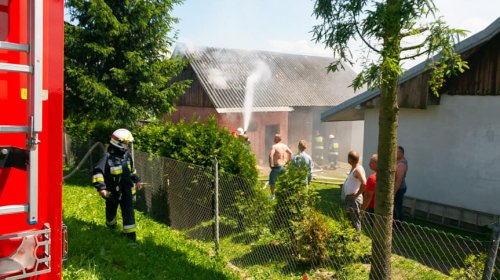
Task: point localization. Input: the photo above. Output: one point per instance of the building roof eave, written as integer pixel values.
(254, 109)
(351, 109)
(473, 41)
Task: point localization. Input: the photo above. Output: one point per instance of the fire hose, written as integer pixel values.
(87, 155)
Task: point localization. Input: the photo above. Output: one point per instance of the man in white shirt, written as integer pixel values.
(352, 190)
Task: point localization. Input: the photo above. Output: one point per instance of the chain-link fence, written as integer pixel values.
(284, 237)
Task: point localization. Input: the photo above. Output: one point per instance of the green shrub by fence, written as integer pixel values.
(294, 234)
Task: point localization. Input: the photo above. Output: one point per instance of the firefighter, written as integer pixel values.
(318, 148)
(333, 151)
(116, 181)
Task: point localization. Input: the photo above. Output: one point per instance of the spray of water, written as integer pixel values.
(260, 73)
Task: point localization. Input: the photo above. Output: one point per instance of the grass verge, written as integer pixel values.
(98, 253)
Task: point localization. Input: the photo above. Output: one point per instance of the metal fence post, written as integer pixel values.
(492, 255)
(216, 205)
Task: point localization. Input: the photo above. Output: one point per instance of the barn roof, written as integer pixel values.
(351, 109)
(285, 80)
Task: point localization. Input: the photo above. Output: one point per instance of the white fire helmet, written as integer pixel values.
(240, 131)
(121, 138)
(331, 136)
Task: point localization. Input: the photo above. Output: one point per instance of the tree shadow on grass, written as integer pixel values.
(205, 230)
(111, 256)
(329, 202)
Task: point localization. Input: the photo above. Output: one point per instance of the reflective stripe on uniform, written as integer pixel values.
(97, 178)
(129, 228)
(111, 223)
(130, 168)
(318, 143)
(116, 170)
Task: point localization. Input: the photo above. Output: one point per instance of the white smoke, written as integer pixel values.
(218, 78)
(260, 73)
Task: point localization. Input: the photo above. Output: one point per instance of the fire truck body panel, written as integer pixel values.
(44, 229)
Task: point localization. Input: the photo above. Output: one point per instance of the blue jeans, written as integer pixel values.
(352, 208)
(275, 172)
(398, 204)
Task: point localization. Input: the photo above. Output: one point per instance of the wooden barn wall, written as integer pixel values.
(413, 93)
(300, 127)
(483, 77)
(188, 113)
(194, 96)
(257, 130)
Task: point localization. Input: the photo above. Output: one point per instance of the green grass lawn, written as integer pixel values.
(161, 253)
(262, 258)
(98, 253)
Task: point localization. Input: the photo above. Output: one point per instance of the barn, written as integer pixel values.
(451, 141)
(267, 93)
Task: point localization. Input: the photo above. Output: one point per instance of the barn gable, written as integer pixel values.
(294, 80)
(291, 92)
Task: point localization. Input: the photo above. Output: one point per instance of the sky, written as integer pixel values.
(285, 25)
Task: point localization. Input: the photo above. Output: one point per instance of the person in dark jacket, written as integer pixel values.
(116, 180)
(400, 183)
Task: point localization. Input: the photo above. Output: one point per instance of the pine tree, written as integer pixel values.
(117, 65)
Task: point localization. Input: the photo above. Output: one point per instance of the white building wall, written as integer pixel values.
(349, 135)
(357, 138)
(453, 151)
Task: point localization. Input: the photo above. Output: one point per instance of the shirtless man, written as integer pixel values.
(279, 155)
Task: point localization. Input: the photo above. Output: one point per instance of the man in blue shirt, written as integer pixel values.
(303, 156)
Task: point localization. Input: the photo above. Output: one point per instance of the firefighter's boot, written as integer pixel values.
(131, 236)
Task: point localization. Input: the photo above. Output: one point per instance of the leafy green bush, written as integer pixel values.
(474, 266)
(293, 198)
(200, 144)
(254, 210)
(312, 237)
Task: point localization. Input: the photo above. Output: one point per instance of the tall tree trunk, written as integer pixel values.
(387, 144)
(384, 193)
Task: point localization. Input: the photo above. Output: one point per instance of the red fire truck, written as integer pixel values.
(31, 126)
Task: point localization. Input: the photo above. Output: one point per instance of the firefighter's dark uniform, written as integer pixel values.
(318, 149)
(333, 152)
(115, 173)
